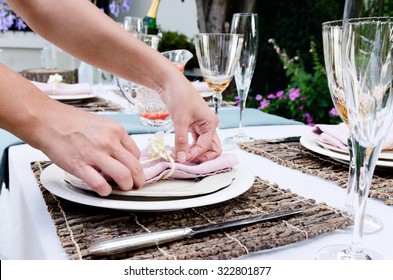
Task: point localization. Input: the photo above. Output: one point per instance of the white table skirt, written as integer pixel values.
(31, 233)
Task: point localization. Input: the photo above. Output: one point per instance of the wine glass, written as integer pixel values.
(367, 76)
(246, 24)
(133, 25)
(332, 42)
(218, 55)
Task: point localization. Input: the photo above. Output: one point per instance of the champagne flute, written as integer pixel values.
(246, 24)
(367, 76)
(218, 55)
(332, 41)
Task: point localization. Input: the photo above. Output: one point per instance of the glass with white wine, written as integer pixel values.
(218, 55)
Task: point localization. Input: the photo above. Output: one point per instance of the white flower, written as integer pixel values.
(55, 79)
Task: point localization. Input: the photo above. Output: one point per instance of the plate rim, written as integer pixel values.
(242, 182)
(309, 142)
(72, 96)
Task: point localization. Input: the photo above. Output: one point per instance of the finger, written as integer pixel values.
(204, 143)
(181, 141)
(94, 179)
(132, 163)
(130, 145)
(213, 152)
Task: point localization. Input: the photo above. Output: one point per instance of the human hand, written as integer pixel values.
(190, 113)
(91, 148)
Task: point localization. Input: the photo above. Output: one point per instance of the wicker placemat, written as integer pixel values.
(95, 104)
(294, 155)
(79, 226)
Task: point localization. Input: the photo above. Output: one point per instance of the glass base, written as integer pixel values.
(343, 252)
(238, 138)
(371, 224)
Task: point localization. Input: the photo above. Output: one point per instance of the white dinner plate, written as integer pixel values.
(73, 96)
(309, 142)
(52, 178)
(384, 155)
(168, 188)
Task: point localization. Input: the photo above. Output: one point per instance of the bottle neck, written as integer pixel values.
(152, 12)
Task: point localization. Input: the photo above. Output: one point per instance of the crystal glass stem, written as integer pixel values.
(365, 159)
(217, 100)
(242, 103)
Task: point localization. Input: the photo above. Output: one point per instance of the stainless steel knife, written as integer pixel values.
(123, 244)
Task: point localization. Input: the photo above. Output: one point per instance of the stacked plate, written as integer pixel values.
(310, 142)
(165, 195)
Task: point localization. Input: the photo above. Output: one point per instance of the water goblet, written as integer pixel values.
(247, 25)
(218, 55)
(332, 42)
(367, 78)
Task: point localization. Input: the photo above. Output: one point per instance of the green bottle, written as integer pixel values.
(150, 20)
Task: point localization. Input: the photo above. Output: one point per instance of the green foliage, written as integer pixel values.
(306, 97)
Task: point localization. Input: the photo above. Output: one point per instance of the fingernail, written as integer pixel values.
(181, 156)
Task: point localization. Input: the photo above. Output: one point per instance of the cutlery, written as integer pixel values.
(283, 139)
(123, 244)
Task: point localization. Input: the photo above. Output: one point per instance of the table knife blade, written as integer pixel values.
(124, 244)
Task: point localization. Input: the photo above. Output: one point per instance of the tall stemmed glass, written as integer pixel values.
(367, 75)
(332, 42)
(246, 24)
(218, 55)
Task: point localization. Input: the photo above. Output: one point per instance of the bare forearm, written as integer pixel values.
(81, 29)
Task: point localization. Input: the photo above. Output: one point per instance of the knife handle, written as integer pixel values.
(124, 244)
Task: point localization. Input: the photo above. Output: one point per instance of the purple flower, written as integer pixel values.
(126, 5)
(309, 119)
(263, 104)
(280, 94)
(333, 112)
(6, 20)
(258, 97)
(271, 96)
(20, 24)
(294, 93)
(114, 8)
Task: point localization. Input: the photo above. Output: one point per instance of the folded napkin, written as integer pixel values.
(157, 170)
(337, 136)
(201, 86)
(64, 89)
(163, 169)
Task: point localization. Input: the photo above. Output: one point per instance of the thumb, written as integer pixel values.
(181, 142)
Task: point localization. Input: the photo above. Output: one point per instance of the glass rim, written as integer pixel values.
(246, 14)
(218, 34)
(332, 22)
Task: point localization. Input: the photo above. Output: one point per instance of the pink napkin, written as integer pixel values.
(159, 169)
(154, 171)
(338, 134)
(335, 135)
(201, 86)
(64, 89)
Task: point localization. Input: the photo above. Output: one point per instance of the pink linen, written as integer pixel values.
(201, 86)
(64, 89)
(154, 171)
(338, 134)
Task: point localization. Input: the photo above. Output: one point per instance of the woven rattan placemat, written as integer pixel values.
(95, 104)
(294, 155)
(79, 226)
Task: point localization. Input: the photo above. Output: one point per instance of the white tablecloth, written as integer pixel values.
(29, 233)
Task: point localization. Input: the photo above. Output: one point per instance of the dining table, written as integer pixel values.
(30, 230)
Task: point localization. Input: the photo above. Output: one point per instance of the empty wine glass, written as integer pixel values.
(133, 25)
(218, 55)
(246, 24)
(332, 43)
(367, 76)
